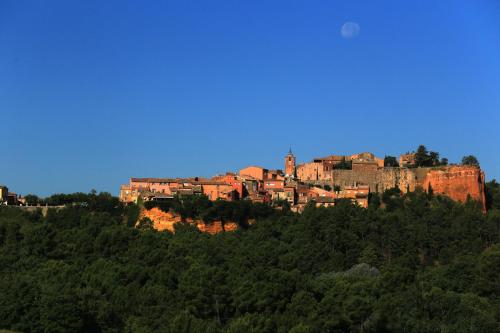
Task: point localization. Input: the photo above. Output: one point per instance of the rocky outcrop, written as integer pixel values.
(457, 182)
(166, 221)
(161, 220)
(216, 227)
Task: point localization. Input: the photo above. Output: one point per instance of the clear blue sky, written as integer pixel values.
(93, 92)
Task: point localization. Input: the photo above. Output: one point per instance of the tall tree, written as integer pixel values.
(390, 161)
(433, 158)
(421, 156)
(470, 160)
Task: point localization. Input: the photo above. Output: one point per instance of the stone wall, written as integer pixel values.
(344, 178)
(43, 209)
(404, 179)
(457, 182)
(364, 167)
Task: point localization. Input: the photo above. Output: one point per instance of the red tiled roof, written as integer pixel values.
(158, 180)
(330, 158)
(211, 182)
(254, 166)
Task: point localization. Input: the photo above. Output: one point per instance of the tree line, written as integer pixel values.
(425, 158)
(408, 263)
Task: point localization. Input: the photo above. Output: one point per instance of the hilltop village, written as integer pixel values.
(323, 180)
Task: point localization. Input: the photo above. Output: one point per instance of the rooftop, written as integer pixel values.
(156, 180)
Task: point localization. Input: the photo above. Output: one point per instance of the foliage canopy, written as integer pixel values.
(421, 264)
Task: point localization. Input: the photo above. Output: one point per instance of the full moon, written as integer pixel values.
(350, 30)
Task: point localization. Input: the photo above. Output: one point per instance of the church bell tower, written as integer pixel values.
(290, 164)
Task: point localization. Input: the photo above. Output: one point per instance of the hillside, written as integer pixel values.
(415, 263)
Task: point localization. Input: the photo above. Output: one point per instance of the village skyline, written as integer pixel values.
(219, 172)
(88, 98)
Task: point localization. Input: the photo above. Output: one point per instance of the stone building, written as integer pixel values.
(215, 190)
(357, 193)
(312, 171)
(4, 192)
(367, 157)
(236, 182)
(12, 199)
(407, 160)
(255, 172)
(166, 188)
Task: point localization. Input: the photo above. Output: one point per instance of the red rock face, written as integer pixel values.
(457, 182)
(216, 227)
(166, 221)
(161, 220)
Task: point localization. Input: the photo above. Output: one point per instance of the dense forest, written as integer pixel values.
(409, 263)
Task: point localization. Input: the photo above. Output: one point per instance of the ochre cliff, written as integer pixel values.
(166, 221)
(457, 182)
